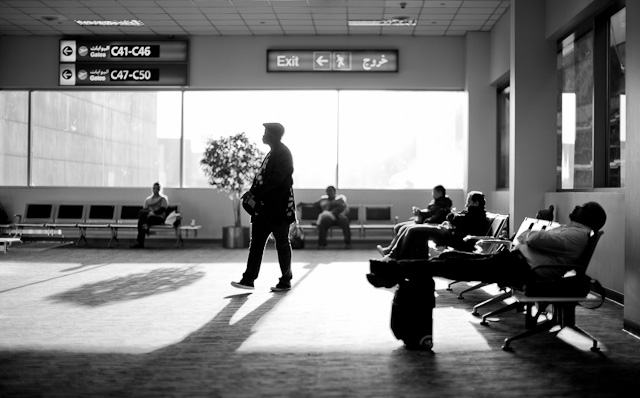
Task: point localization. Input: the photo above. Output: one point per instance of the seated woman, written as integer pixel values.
(435, 213)
(414, 242)
(153, 212)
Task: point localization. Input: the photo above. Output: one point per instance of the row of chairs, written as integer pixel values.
(51, 219)
(558, 309)
(363, 218)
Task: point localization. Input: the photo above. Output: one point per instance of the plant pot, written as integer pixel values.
(236, 237)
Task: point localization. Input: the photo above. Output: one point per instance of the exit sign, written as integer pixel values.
(367, 61)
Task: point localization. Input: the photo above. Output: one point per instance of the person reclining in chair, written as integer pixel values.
(435, 213)
(414, 242)
(522, 264)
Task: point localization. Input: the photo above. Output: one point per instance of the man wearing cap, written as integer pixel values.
(271, 194)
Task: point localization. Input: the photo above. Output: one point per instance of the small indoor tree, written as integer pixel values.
(230, 164)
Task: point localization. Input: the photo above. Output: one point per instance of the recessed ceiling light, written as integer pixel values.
(383, 22)
(126, 22)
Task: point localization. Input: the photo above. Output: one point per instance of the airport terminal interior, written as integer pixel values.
(523, 100)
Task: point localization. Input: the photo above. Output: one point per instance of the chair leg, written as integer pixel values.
(563, 316)
(451, 284)
(472, 288)
(492, 300)
(508, 307)
(594, 347)
(541, 327)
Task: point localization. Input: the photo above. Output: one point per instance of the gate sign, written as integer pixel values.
(161, 74)
(122, 51)
(332, 61)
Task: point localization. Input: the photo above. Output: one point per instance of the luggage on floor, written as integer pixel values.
(412, 313)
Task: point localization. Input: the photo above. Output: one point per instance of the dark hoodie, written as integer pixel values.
(436, 212)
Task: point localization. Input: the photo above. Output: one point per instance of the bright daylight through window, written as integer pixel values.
(351, 139)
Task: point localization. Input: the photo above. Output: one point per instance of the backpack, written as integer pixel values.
(296, 236)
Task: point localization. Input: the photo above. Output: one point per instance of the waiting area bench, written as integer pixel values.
(108, 219)
(362, 218)
(6, 242)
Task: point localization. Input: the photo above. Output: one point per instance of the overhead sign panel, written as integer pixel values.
(369, 61)
(123, 74)
(122, 51)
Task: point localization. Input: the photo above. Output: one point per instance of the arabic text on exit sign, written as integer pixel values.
(369, 61)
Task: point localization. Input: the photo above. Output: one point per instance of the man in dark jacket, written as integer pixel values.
(271, 195)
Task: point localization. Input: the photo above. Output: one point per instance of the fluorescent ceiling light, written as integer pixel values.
(126, 22)
(383, 22)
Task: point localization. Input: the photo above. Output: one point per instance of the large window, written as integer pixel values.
(592, 104)
(504, 98)
(401, 139)
(617, 130)
(14, 137)
(309, 119)
(104, 139)
(350, 139)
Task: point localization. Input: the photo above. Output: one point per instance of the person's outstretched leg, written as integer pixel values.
(416, 241)
(399, 230)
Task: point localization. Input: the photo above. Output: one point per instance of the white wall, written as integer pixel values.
(501, 49)
(208, 207)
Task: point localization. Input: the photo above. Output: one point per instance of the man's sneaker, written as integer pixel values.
(281, 288)
(243, 285)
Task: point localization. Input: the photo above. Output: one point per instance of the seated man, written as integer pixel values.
(414, 242)
(435, 213)
(534, 249)
(153, 212)
(333, 211)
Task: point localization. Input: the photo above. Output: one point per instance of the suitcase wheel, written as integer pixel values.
(426, 343)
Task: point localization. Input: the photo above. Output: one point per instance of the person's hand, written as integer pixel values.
(415, 210)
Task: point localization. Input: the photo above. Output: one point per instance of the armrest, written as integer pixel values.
(475, 238)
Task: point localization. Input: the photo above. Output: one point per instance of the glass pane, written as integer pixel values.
(575, 113)
(503, 137)
(617, 98)
(391, 139)
(105, 139)
(309, 119)
(14, 137)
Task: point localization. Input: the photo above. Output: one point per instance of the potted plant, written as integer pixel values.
(230, 164)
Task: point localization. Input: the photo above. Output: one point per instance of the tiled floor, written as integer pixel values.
(164, 322)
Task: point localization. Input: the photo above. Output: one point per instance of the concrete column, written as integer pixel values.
(481, 156)
(632, 189)
(533, 111)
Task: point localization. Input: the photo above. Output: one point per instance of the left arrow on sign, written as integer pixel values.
(67, 74)
(321, 61)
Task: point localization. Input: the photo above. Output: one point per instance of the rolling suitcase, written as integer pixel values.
(412, 313)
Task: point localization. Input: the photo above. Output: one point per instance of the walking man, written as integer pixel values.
(271, 197)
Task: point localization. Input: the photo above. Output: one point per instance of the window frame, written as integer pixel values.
(599, 25)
